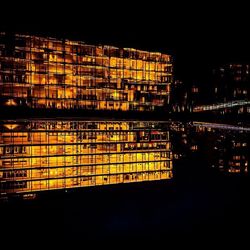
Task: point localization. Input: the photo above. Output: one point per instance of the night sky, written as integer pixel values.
(199, 36)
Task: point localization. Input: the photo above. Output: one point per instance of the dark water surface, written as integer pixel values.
(207, 198)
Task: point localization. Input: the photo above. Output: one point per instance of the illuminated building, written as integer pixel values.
(231, 82)
(47, 73)
(40, 155)
(229, 85)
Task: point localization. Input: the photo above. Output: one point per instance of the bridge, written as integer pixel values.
(221, 126)
(217, 106)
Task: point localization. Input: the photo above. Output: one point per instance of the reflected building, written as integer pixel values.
(58, 74)
(184, 139)
(48, 73)
(222, 147)
(41, 155)
(232, 153)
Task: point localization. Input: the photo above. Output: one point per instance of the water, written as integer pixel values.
(206, 197)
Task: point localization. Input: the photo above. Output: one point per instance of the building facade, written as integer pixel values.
(41, 155)
(184, 96)
(231, 84)
(48, 73)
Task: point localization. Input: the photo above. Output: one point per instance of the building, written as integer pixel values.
(179, 97)
(40, 155)
(231, 83)
(47, 73)
(226, 93)
(184, 96)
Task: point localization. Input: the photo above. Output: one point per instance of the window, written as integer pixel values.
(6, 78)
(16, 150)
(8, 150)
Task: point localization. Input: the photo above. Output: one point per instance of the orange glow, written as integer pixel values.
(50, 73)
(41, 155)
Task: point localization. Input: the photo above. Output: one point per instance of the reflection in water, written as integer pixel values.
(219, 146)
(38, 155)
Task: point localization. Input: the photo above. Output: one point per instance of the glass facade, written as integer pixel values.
(43, 72)
(37, 155)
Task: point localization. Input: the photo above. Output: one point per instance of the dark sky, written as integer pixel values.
(199, 36)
